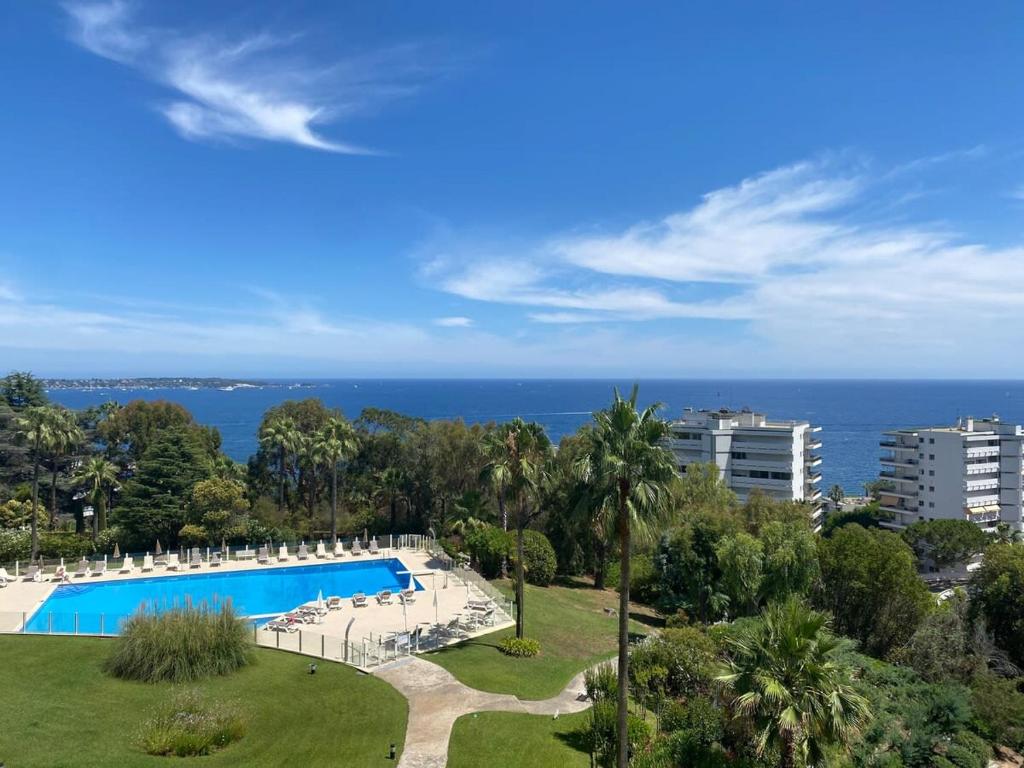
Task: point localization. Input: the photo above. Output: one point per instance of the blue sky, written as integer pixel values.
(545, 189)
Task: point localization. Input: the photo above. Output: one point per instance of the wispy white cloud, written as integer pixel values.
(253, 86)
(454, 322)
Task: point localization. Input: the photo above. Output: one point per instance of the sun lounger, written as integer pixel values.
(303, 553)
(195, 558)
(356, 549)
(128, 566)
(407, 596)
(303, 617)
(339, 549)
(82, 569)
(321, 551)
(4, 577)
(384, 597)
(100, 569)
(373, 547)
(215, 560)
(282, 553)
(263, 558)
(281, 625)
(453, 629)
(245, 554)
(147, 563)
(160, 562)
(334, 603)
(34, 573)
(173, 563)
(359, 600)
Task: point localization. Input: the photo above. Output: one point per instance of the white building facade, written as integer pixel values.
(972, 471)
(752, 452)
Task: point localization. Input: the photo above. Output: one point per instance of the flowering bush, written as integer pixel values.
(190, 726)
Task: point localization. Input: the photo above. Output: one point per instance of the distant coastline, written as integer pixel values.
(186, 383)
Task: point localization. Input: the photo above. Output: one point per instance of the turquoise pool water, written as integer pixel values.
(104, 605)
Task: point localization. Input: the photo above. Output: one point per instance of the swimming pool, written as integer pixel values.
(95, 607)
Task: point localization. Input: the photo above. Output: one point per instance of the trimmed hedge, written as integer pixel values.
(520, 647)
(489, 545)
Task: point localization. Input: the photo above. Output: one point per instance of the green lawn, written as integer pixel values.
(574, 633)
(517, 741)
(59, 709)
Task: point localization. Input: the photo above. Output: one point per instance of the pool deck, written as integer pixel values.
(370, 623)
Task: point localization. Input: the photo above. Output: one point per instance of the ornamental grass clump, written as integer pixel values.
(181, 645)
(190, 726)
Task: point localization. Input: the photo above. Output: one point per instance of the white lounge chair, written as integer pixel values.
(100, 569)
(4, 577)
(407, 596)
(215, 560)
(147, 564)
(334, 603)
(373, 546)
(281, 625)
(129, 565)
(303, 553)
(359, 600)
(321, 551)
(384, 597)
(282, 553)
(34, 573)
(173, 563)
(82, 569)
(356, 548)
(339, 549)
(263, 558)
(195, 558)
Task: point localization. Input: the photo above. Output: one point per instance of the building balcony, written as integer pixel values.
(767, 446)
(982, 515)
(812, 461)
(981, 451)
(985, 468)
(760, 482)
(899, 461)
(813, 478)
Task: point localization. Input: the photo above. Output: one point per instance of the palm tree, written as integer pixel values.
(97, 475)
(33, 428)
(280, 436)
(629, 464)
(336, 442)
(64, 435)
(390, 487)
(518, 460)
(786, 675)
(836, 494)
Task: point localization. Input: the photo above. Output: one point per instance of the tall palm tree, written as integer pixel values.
(519, 461)
(97, 475)
(32, 427)
(390, 487)
(280, 436)
(836, 494)
(786, 675)
(64, 436)
(630, 465)
(336, 442)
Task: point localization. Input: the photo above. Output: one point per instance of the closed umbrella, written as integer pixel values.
(320, 601)
(436, 620)
(224, 548)
(412, 583)
(157, 550)
(117, 551)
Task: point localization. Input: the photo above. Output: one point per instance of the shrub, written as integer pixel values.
(15, 545)
(180, 646)
(686, 654)
(998, 709)
(192, 535)
(107, 538)
(488, 546)
(602, 682)
(520, 647)
(66, 545)
(539, 559)
(189, 726)
(643, 580)
(601, 735)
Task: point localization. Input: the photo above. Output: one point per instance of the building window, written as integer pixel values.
(739, 454)
(921, 455)
(920, 487)
(931, 472)
(931, 440)
(931, 457)
(931, 503)
(931, 488)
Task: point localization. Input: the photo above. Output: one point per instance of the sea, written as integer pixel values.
(852, 414)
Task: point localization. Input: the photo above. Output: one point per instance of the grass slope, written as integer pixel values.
(491, 739)
(61, 710)
(574, 633)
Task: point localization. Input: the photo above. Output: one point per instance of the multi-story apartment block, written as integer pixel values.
(971, 471)
(750, 451)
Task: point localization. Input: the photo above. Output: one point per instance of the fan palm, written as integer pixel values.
(630, 467)
(33, 427)
(787, 677)
(336, 442)
(97, 475)
(518, 459)
(280, 436)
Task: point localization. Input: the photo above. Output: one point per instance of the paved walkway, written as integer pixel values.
(437, 700)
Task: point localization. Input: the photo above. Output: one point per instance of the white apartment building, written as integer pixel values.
(777, 457)
(971, 471)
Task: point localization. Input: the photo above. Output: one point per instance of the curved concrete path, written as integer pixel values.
(437, 700)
